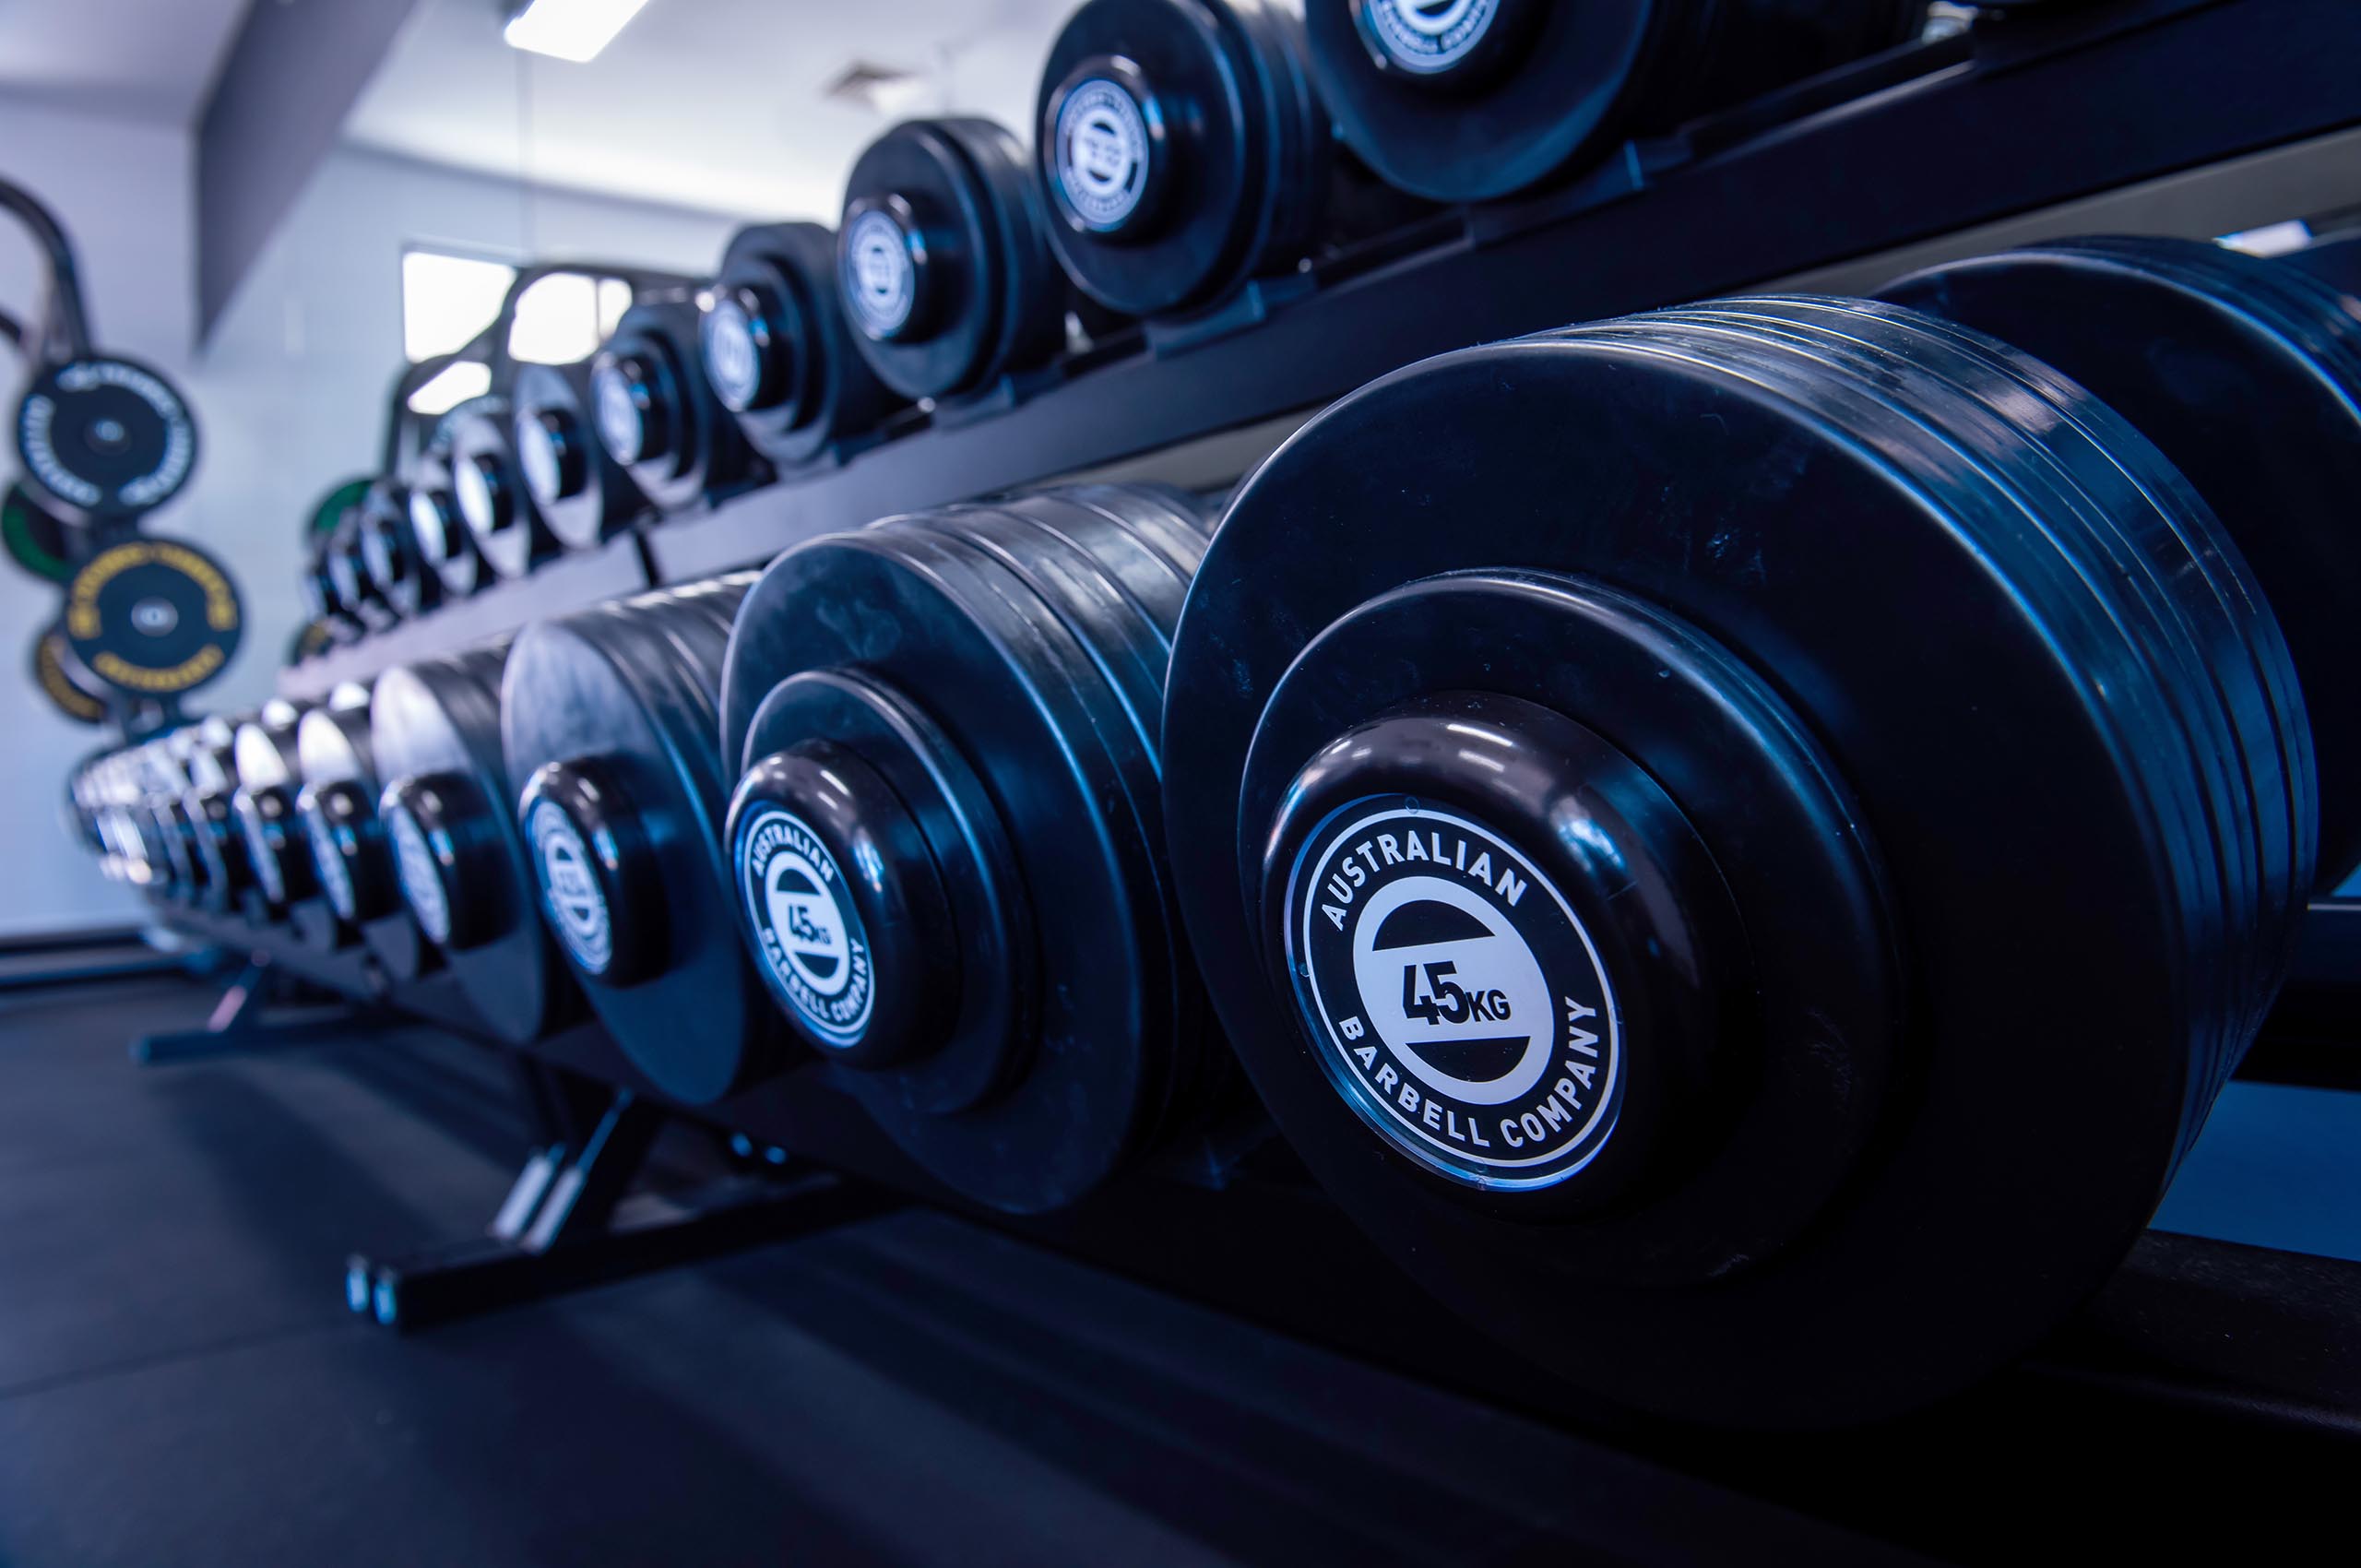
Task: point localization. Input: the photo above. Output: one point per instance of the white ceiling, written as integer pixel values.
(146, 59)
(714, 104)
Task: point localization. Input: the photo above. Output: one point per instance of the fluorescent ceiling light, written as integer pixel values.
(453, 386)
(570, 29)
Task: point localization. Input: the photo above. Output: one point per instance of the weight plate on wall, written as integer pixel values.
(1612, 856)
(153, 617)
(71, 692)
(107, 437)
(36, 538)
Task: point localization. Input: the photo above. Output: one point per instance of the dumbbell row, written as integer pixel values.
(1747, 836)
(1182, 150)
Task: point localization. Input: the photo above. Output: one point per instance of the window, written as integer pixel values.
(447, 301)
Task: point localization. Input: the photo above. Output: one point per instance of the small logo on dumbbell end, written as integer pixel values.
(732, 362)
(814, 947)
(1428, 36)
(1102, 153)
(881, 280)
(570, 888)
(419, 873)
(1454, 998)
(621, 427)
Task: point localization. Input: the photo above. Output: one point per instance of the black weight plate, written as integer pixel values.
(624, 697)
(351, 581)
(583, 494)
(1938, 625)
(153, 617)
(389, 552)
(1474, 100)
(778, 351)
(434, 734)
(942, 259)
(73, 694)
(441, 535)
(1183, 148)
(2248, 377)
(491, 496)
(36, 538)
(656, 413)
(1021, 644)
(109, 439)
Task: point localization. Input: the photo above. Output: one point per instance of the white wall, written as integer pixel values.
(290, 391)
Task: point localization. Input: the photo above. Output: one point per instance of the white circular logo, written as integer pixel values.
(733, 360)
(570, 887)
(1460, 1005)
(1102, 153)
(419, 873)
(815, 950)
(881, 279)
(1428, 36)
(621, 426)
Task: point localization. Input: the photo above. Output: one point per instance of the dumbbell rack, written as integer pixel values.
(2209, 1373)
(2026, 116)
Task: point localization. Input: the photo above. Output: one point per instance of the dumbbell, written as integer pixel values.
(1475, 99)
(490, 493)
(435, 735)
(352, 582)
(336, 809)
(445, 546)
(226, 878)
(1740, 843)
(2247, 374)
(389, 552)
(269, 772)
(609, 722)
(942, 259)
(655, 415)
(947, 842)
(584, 496)
(1185, 152)
(778, 352)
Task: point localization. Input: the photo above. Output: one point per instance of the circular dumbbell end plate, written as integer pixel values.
(800, 904)
(1424, 38)
(1103, 155)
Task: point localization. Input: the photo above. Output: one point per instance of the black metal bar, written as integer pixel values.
(486, 1274)
(240, 1022)
(64, 308)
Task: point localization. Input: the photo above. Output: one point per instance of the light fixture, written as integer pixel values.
(569, 29)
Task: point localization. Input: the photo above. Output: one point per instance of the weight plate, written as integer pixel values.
(778, 350)
(1183, 148)
(336, 827)
(153, 617)
(37, 539)
(963, 707)
(609, 722)
(2248, 375)
(1636, 865)
(1475, 99)
(352, 584)
(942, 259)
(389, 553)
(434, 734)
(444, 545)
(655, 411)
(69, 691)
(583, 494)
(109, 439)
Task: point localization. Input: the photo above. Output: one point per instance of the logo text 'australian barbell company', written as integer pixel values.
(1455, 999)
(813, 944)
